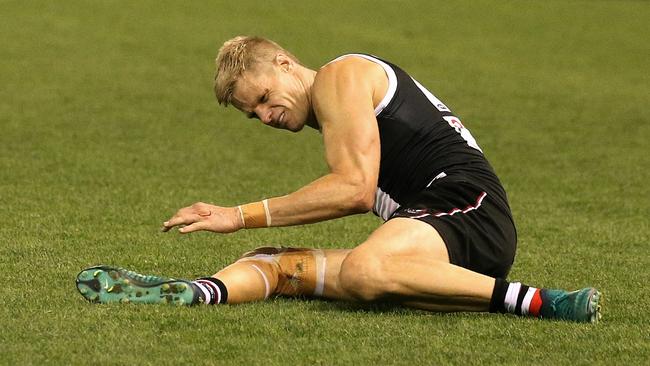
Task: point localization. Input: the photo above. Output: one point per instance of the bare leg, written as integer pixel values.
(260, 274)
(404, 260)
(407, 260)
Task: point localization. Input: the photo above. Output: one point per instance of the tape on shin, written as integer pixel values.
(300, 272)
(267, 270)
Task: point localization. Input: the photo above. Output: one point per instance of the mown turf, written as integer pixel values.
(108, 125)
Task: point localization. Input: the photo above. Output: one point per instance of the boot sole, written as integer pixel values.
(594, 306)
(106, 285)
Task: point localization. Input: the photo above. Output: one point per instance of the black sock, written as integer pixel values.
(497, 302)
(515, 298)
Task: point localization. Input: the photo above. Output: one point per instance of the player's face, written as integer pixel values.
(274, 95)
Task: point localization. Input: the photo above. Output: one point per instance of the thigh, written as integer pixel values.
(397, 237)
(405, 236)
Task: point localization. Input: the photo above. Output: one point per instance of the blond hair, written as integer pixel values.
(238, 55)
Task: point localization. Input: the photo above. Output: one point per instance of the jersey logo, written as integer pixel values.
(432, 98)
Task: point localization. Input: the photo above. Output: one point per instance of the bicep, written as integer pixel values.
(344, 108)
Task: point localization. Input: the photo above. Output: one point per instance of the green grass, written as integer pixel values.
(108, 125)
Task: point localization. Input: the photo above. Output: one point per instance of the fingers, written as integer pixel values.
(201, 225)
(177, 220)
(188, 216)
(202, 216)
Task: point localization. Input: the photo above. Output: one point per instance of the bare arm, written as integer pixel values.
(343, 104)
(344, 94)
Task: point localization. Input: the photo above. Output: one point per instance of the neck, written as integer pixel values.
(307, 77)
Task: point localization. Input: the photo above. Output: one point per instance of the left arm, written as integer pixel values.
(343, 100)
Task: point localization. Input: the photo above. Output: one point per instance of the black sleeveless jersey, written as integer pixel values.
(421, 141)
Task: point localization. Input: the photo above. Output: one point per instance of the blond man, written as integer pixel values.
(448, 241)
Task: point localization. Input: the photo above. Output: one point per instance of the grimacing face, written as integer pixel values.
(274, 94)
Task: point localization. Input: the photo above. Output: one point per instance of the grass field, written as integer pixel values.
(108, 125)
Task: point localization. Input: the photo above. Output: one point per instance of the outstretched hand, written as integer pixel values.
(203, 216)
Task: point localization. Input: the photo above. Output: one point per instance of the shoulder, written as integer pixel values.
(346, 79)
(346, 68)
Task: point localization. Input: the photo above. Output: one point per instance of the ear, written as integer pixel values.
(284, 62)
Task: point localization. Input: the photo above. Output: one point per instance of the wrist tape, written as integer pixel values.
(255, 214)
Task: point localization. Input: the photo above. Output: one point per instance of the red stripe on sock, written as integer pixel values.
(535, 304)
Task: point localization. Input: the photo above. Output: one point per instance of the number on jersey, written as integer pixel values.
(457, 125)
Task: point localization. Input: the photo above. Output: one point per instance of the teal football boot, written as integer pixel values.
(105, 285)
(581, 306)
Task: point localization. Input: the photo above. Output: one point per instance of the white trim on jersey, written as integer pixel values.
(390, 73)
(432, 98)
(457, 125)
(439, 176)
(384, 204)
(453, 121)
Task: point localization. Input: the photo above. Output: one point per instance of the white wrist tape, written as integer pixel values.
(267, 212)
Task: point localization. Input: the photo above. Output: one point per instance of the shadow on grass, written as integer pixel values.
(379, 308)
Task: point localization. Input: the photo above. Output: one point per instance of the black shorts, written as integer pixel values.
(474, 220)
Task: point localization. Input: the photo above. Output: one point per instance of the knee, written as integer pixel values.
(363, 276)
